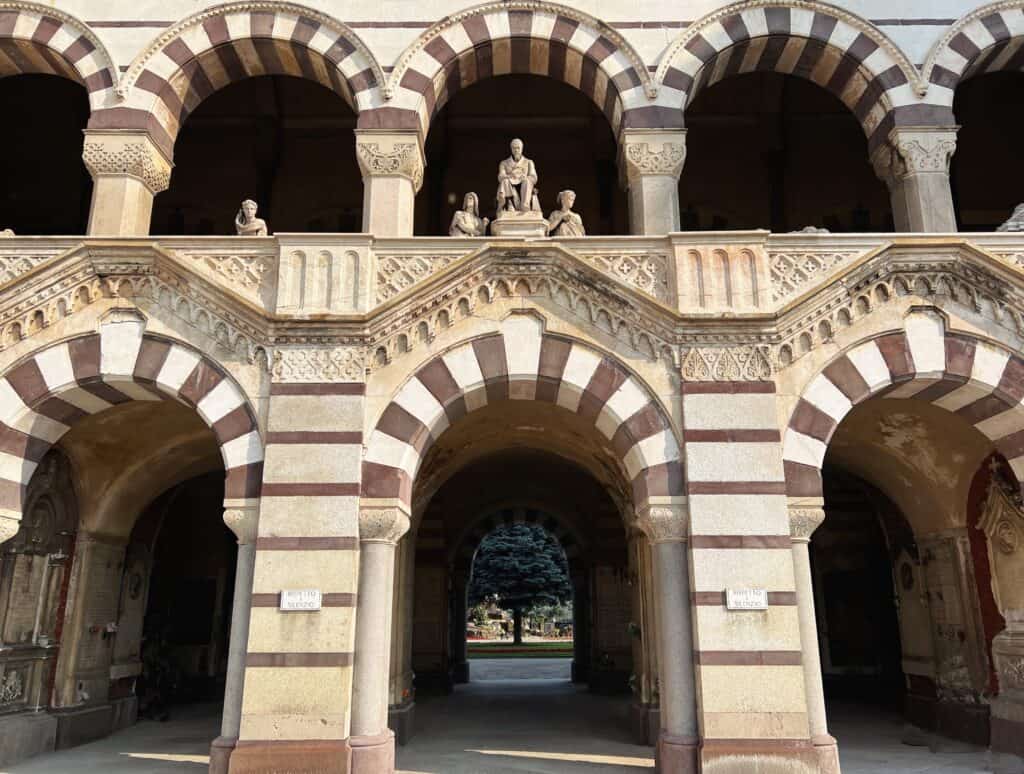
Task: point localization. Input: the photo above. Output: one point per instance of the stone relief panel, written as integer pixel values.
(793, 272)
(319, 364)
(322, 278)
(23, 257)
(727, 364)
(721, 277)
(396, 272)
(643, 271)
(247, 270)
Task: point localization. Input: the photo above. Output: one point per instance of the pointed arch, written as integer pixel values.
(41, 39)
(228, 43)
(517, 36)
(826, 45)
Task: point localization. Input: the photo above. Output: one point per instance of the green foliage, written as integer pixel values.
(521, 566)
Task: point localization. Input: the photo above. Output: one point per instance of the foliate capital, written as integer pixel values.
(243, 520)
(805, 515)
(653, 152)
(130, 154)
(390, 154)
(913, 151)
(382, 524)
(665, 523)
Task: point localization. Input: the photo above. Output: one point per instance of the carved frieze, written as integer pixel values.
(126, 154)
(319, 364)
(727, 364)
(395, 273)
(643, 159)
(402, 159)
(647, 272)
(794, 272)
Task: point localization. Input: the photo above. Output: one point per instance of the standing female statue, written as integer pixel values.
(564, 222)
(246, 222)
(467, 221)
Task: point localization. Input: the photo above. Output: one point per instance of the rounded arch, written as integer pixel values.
(981, 382)
(818, 42)
(42, 39)
(469, 538)
(49, 391)
(518, 36)
(228, 43)
(524, 363)
(988, 39)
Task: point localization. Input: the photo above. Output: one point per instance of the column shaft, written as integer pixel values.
(392, 167)
(373, 632)
(678, 707)
(460, 664)
(241, 608)
(809, 638)
(914, 164)
(127, 171)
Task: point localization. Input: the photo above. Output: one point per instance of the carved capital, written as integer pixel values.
(131, 154)
(751, 363)
(382, 524)
(9, 526)
(805, 515)
(390, 154)
(652, 153)
(914, 151)
(319, 364)
(669, 523)
(243, 521)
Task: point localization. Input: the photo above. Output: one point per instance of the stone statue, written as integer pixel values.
(564, 222)
(1016, 221)
(467, 221)
(7, 232)
(246, 222)
(517, 182)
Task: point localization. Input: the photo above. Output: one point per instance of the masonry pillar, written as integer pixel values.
(580, 625)
(650, 161)
(460, 587)
(242, 521)
(666, 527)
(914, 164)
(403, 705)
(392, 166)
(805, 516)
(127, 170)
(373, 743)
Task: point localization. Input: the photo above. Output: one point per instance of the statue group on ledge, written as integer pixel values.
(517, 199)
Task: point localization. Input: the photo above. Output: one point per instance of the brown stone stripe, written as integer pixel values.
(311, 490)
(204, 377)
(344, 543)
(244, 481)
(315, 436)
(737, 388)
(731, 436)
(802, 480)
(554, 354)
(490, 356)
(717, 598)
(748, 657)
(399, 423)
(606, 379)
(810, 420)
(896, 353)
(319, 388)
(330, 599)
(298, 659)
(735, 487)
(740, 541)
(234, 424)
(845, 376)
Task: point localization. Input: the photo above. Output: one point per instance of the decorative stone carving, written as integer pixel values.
(563, 222)
(664, 523)
(319, 364)
(126, 154)
(7, 232)
(914, 151)
(245, 271)
(395, 273)
(517, 183)
(1016, 220)
(402, 159)
(1002, 521)
(11, 688)
(641, 159)
(647, 272)
(792, 272)
(727, 364)
(12, 266)
(382, 525)
(243, 522)
(246, 222)
(803, 521)
(811, 230)
(467, 221)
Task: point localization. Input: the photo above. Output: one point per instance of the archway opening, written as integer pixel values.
(756, 145)
(45, 188)
(292, 150)
(989, 110)
(564, 133)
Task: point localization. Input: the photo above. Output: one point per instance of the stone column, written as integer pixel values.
(392, 167)
(805, 516)
(914, 164)
(243, 522)
(127, 170)
(666, 526)
(373, 743)
(580, 625)
(650, 161)
(460, 587)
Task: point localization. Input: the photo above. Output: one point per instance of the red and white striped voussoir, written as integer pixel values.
(976, 380)
(524, 365)
(44, 396)
(988, 40)
(43, 40)
(499, 40)
(233, 42)
(808, 42)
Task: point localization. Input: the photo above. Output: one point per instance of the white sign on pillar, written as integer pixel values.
(299, 600)
(746, 599)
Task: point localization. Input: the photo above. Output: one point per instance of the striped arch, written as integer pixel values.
(517, 36)
(41, 39)
(46, 394)
(481, 528)
(979, 381)
(524, 365)
(228, 43)
(988, 39)
(817, 42)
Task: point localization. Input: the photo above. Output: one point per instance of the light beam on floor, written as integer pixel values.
(607, 760)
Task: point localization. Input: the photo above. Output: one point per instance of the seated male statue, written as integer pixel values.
(517, 182)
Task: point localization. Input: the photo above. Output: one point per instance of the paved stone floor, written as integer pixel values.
(517, 716)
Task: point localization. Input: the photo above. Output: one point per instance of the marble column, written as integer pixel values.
(460, 587)
(127, 170)
(243, 522)
(392, 166)
(805, 516)
(914, 164)
(650, 161)
(667, 527)
(373, 743)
